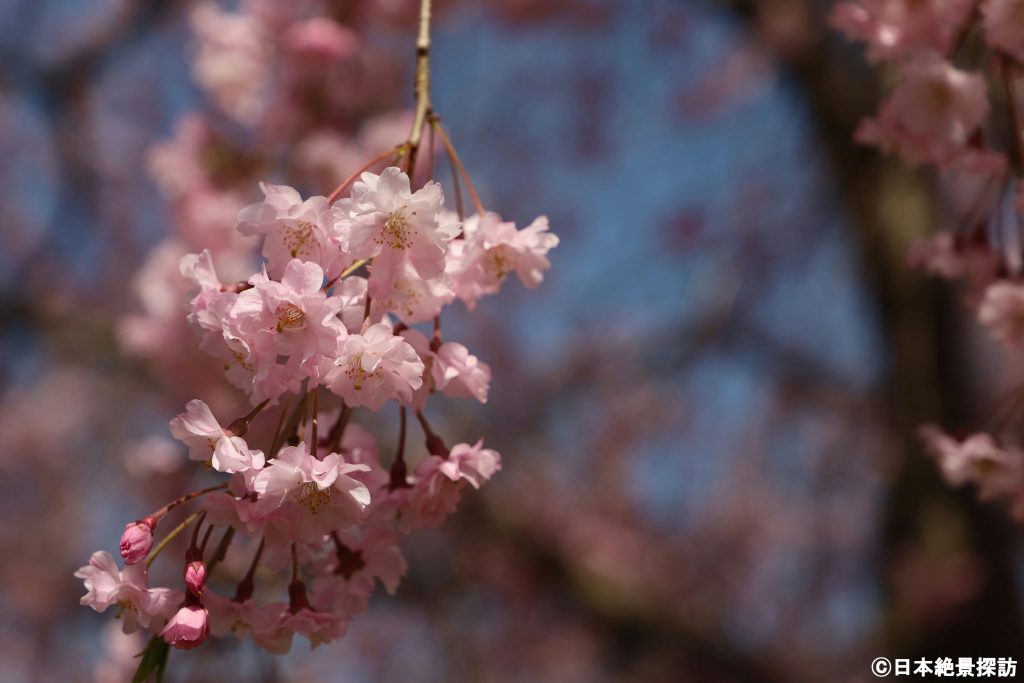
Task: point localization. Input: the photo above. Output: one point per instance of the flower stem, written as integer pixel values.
(399, 472)
(222, 549)
(333, 197)
(453, 158)
(170, 537)
(1006, 64)
(187, 497)
(422, 85)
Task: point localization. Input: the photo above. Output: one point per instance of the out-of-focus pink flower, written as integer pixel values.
(1002, 311)
(121, 652)
(226, 615)
(1004, 26)
(895, 28)
(438, 483)
(188, 628)
(979, 460)
(361, 555)
(231, 60)
(938, 255)
(321, 39)
(374, 367)
(136, 540)
(208, 441)
(274, 625)
(930, 114)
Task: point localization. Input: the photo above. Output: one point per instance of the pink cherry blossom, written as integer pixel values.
(375, 367)
(385, 220)
(412, 298)
(294, 229)
(321, 39)
(460, 374)
(451, 370)
(312, 486)
(209, 306)
(492, 249)
(931, 114)
(360, 556)
(188, 628)
(284, 330)
(1004, 26)
(227, 615)
(1002, 311)
(274, 625)
(359, 447)
(894, 28)
(978, 460)
(438, 482)
(231, 59)
(351, 292)
(107, 585)
(208, 441)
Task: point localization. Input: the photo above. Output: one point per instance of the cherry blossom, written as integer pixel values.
(322, 486)
(293, 228)
(107, 585)
(494, 248)
(360, 557)
(385, 220)
(452, 369)
(313, 333)
(373, 368)
(931, 114)
(1002, 311)
(439, 482)
(894, 28)
(978, 460)
(208, 441)
(285, 328)
(231, 59)
(1003, 21)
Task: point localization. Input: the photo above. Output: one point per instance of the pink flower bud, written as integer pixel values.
(195, 577)
(136, 541)
(188, 628)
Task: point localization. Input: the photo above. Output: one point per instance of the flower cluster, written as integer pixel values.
(309, 324)
(955, 105)
(324, 328)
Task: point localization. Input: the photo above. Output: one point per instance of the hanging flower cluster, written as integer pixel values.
(329, 317)
(955, 105)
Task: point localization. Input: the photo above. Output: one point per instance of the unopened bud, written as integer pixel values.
(136, 540)
(188, 628)
(195, 577)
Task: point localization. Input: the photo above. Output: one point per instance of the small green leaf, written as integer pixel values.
(154, 661)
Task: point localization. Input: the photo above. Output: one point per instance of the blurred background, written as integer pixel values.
(706, 413)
